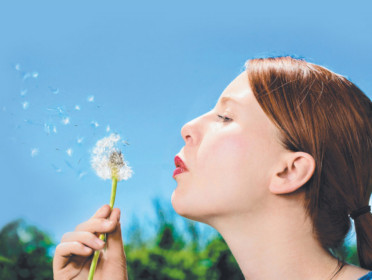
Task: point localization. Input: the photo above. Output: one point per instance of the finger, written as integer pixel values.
(99, 225)
(87, 238)
(102, 212)
(67, 249)
(115, 247)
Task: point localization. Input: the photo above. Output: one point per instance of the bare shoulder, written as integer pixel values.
(352, 272)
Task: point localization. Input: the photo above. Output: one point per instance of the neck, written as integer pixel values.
(276, 244)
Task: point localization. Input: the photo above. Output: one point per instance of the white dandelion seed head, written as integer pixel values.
(77, 107)
(108, 161)
(90, 98)
(69, 152)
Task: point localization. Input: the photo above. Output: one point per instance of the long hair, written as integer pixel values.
(322, 113)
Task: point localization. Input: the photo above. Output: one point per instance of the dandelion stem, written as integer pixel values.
(102, 236)
(113, 191)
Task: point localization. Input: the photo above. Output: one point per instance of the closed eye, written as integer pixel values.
(224, 118)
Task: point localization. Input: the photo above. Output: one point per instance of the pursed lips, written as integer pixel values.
(180, 166)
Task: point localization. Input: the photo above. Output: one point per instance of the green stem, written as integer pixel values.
(113, 191)
(102, 235)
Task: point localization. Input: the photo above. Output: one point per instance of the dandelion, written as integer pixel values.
(69, 152)
(77, 107)
(90, 98)
(109, 163)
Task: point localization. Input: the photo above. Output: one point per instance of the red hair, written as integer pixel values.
(325, 115)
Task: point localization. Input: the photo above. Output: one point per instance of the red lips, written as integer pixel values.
(180, 166)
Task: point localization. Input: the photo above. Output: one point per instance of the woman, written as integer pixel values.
(278, 167)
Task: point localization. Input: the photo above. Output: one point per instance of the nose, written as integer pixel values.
(186, 133)
(193, 131)
(189, 132)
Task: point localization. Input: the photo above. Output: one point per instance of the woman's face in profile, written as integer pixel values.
(230, 153)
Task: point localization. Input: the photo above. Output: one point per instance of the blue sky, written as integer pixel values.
(150, 67)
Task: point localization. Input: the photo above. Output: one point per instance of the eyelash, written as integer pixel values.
(224, 118)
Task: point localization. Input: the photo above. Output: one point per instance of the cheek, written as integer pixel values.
(232, 171)
(224, 158)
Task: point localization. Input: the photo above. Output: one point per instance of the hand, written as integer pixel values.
(74, 254)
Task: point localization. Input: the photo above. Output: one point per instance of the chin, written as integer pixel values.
(190, 210)
(178, 205)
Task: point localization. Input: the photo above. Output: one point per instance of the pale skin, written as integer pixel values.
(241, 181)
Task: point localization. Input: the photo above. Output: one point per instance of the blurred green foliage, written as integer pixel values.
(24, 252)
(172, 253)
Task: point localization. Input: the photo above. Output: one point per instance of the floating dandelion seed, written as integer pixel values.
(34, 152)
(66, 121)
(61, 110)
(108, 162)
(26, 76)
(17, 67)
(54, 90)
(69, 152)
(108, 128)
(23, 92)
(35, 75)
(94, 124)
(82, 174)
(25, 105)
(90, 98)
(80, 140)
(47, 128)
(77, 107)
(56, 169)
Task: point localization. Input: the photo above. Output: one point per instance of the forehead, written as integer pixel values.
(238, 90)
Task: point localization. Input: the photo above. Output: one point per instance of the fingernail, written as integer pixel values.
(86, 249)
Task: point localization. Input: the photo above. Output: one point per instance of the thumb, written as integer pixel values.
(115, 246)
